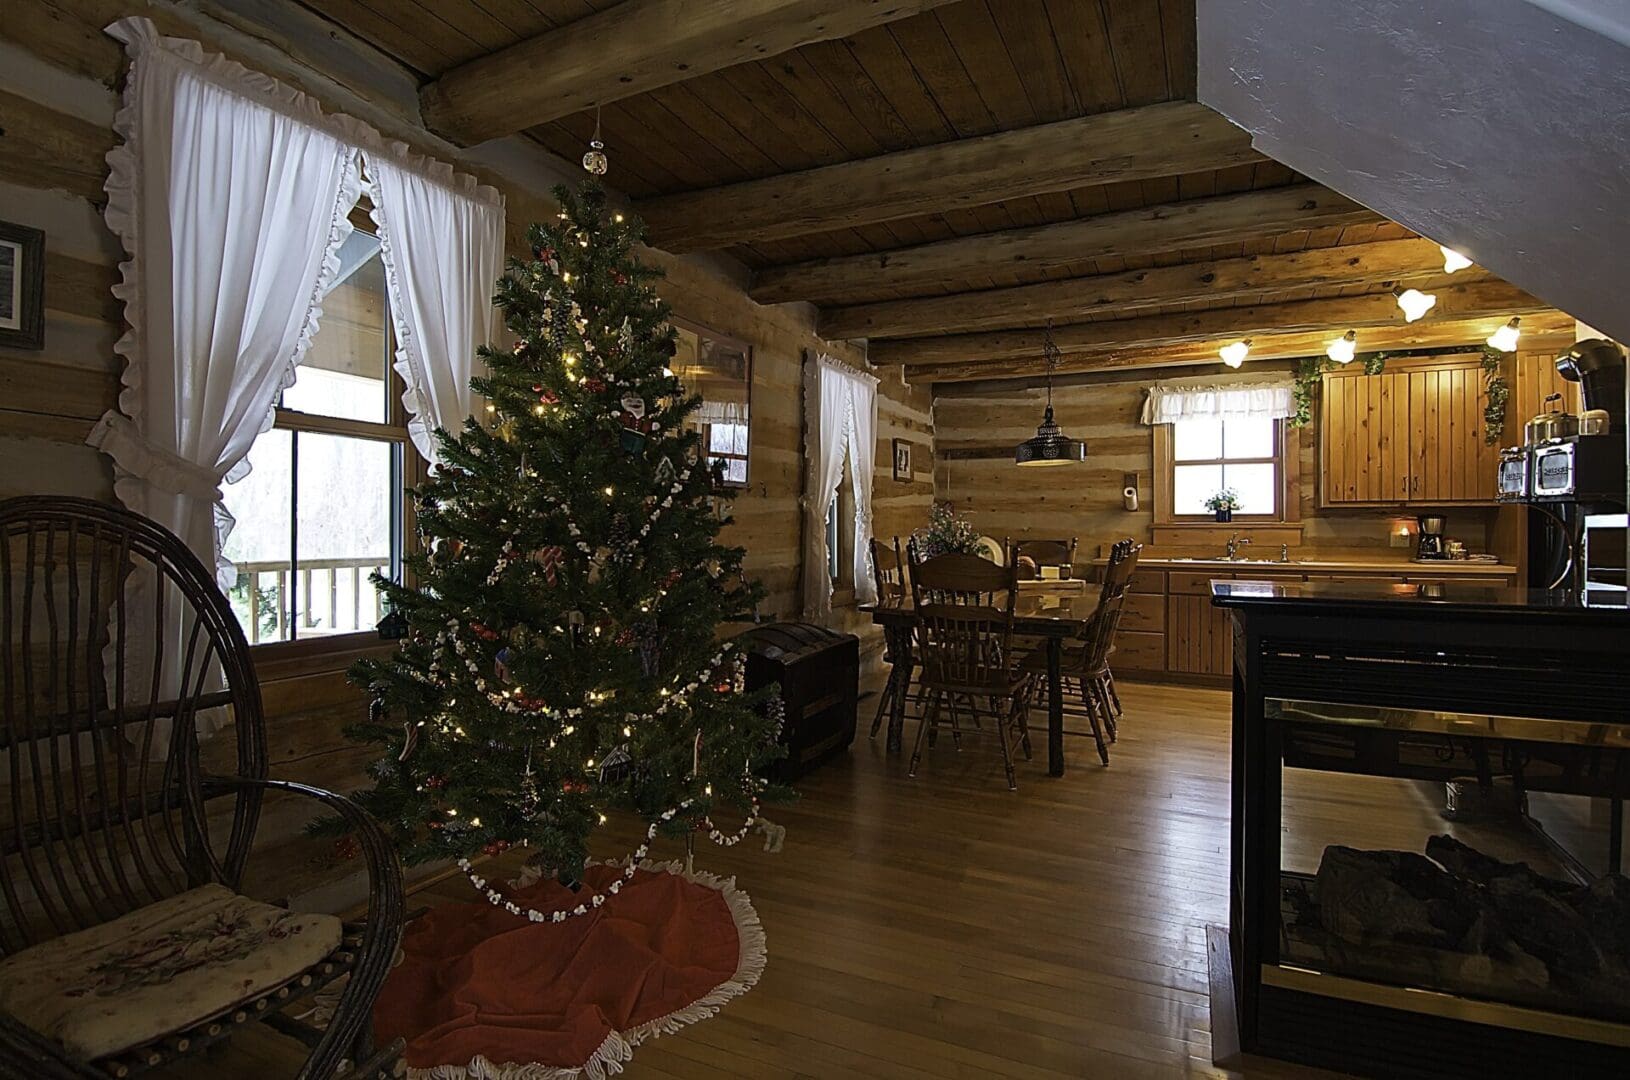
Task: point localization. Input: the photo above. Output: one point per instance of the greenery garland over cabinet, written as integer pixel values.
(1415, 432)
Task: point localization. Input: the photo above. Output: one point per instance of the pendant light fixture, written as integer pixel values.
(1415, 303)
(1453, 260)
(1049, 446)
(1234, 354)
(1505, 338)
(1343, 349)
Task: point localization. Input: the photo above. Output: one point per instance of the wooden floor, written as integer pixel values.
(945, 927)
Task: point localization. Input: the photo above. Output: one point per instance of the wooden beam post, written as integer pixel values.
(632, 47)
(1540, 329)
(1129, 291)
(1216, 325)
(938, 266)
(1168, 139)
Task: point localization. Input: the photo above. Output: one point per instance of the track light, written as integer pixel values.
(1453, 260)
(1234, 355)
(1505, 338)
(1343, 348)
(1415, 303)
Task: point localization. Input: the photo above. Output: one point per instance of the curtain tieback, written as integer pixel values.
(118, 438)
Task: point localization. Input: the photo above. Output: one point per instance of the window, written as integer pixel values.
(1200, 456)
(840, 533)
(727, 442)
(323, 505)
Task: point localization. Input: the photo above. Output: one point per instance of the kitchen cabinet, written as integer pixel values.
(1411, 435)
(1199, 637)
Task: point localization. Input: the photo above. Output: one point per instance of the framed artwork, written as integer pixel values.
(720, 370)
(902, 461)
(22, 286)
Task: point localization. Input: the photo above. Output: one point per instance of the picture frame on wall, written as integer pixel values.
(22, 286)
(902, 461)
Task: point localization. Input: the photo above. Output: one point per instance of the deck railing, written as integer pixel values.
(334, 596)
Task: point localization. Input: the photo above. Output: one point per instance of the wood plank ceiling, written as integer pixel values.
(937, 75)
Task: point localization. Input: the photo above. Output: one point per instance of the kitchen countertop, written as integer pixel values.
(1323, 598)
(1367, 566)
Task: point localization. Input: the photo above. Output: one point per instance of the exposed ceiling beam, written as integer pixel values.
(1131, 290)
(632, 47)
(1548, 329)
(1208, 330)
(1167, 227)
(1153, 141)
(1218, 326)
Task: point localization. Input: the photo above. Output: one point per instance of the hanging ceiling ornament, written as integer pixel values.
(1049, 446)
(595, 160)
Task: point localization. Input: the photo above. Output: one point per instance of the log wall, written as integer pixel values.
(58, 79)
(977, 426)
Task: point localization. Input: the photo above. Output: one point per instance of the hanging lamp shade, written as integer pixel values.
(1049, 445)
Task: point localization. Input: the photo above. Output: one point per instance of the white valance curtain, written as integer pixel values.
(1269, 399)
(840, 415)
(231, 194)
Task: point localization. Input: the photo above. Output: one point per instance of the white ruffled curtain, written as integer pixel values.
(231, 194)
(840, 406)
(231, 209)
(443, 248)
(1268, 399)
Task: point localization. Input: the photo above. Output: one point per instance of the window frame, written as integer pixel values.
(1287, 462)
(408, 469)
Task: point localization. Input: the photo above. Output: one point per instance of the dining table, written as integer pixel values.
(1054, 615)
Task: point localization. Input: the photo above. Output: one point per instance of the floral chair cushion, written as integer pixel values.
(160, 969)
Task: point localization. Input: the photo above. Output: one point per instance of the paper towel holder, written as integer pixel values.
(1129, 491)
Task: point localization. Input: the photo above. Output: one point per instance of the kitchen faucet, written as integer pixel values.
(1234, 544)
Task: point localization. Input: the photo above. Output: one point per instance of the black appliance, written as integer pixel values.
(1567, 479)
(1429, 544)
(819, 674)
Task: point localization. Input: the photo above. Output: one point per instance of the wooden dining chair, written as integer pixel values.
(1085, 670)
(889, 575)
(1031, 555)
(964, 607)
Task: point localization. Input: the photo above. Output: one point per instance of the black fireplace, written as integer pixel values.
(1427, 836)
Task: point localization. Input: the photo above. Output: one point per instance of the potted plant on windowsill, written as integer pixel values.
(1223, 504)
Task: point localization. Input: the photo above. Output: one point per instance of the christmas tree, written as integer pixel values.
(561, 657)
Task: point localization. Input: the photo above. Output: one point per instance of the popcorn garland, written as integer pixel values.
(513, 701)
(497, 899)
(507, 555)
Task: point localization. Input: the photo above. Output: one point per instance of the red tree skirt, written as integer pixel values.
(484, 995)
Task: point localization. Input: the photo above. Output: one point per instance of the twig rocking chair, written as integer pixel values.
(125, 941)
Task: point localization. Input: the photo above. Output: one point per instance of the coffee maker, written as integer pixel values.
(1429, 543)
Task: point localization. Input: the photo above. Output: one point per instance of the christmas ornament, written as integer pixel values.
(549, 560)
(347, 847)
(665, 471)
(500, 665)
(633, 405)
(594, 384)
(595, 160)
(617, 766)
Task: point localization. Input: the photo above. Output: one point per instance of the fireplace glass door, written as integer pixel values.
(1451, 863)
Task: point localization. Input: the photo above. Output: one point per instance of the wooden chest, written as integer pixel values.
(819, 674)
